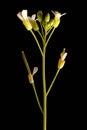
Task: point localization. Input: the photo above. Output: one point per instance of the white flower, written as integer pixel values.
(57, 14)
(33, 17)
(30, 75)
(62, 58)
(22, 15)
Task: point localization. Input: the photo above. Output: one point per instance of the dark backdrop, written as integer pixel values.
(65, 101)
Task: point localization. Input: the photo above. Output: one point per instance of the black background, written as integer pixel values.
(66, 100)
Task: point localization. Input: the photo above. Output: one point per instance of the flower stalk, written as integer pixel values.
(47, 25)
(44, 91)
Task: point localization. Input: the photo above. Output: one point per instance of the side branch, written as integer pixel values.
(53, 82)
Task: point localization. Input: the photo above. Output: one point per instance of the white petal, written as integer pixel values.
(19, 16)
(63, 14)
(58, 15)
(53, 12)
(24, 14)
(33, 16)
(64, 56)
(35, 70)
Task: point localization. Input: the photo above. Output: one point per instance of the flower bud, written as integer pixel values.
(48, 25)
(40, 15)
(51, 22)
(47, 18)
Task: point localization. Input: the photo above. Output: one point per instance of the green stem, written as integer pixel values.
(29, 71)
(49, 37)
(49, 30)
(37, 42)
(37, 98)
(53, 82)
(41, 36)
(44, 91)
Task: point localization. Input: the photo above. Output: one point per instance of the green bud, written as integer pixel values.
(34, 25)
(56, 22)
(47, 18)
(51, 22)
(40, 15)
(46, 27)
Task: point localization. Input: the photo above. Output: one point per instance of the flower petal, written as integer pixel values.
(24, 14)
(33, 16)
(58, 14)
(64, 56)
(20, 16)
(35, 70)
(63, 14)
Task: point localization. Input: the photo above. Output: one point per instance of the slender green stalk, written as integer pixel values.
(44, 91)
(49, 30)
(36, 41)
(26, 62)
(41, 36)
(49, 37)
(53, 82)
(37, 98)
(29, 71)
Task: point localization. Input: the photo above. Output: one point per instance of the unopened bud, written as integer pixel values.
(51, 22)
(48, 25)
(47, 18)
(40, 15)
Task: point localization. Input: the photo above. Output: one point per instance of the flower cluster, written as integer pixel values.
(46, 22)
(30, 76)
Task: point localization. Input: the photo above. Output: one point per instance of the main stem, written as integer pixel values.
(44, 91)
